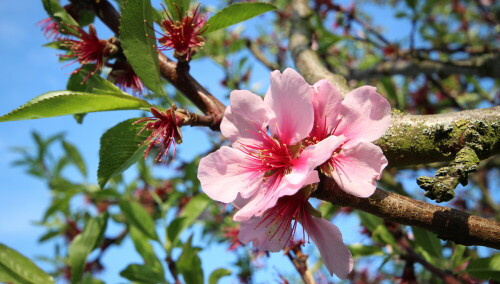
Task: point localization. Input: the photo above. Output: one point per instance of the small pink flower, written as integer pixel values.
(165, 131)
(185, 34)
(263, 166)
(362, 117)
(87, 49)
(278, 225)
(125, 78)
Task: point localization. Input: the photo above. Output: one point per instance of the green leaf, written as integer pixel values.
(120, 148)
(74, 155)
(218, 274)
(59, 103)
(177, 8)
(57, 12)
(485, 268)
(188, 216)
(16, 268)
(83, 244)
(94, 84)
(382, 235)
(189, 264)
(236, 13)
(142, 274)
(429, 242)
(358, 250)
(369, 221)
(138, 217)
(458, 258)
(136, 31)
(88, 279)
(391, 91)
(145, 249)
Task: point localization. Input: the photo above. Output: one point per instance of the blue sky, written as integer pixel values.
(30, 70)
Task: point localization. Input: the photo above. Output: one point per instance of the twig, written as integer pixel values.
(449, 224)
(254, 49)
(483, 66)
(446, 277)
(300, 262)
(442, 187)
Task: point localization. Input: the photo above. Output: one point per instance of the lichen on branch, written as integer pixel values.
(441, 188)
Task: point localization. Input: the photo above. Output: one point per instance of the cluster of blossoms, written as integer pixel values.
(278, 144)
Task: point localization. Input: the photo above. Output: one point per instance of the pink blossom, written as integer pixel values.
(87, 49)
(263, 166)
(362, 117)
(183, 35)
(165, 131)
(277, 226)
(125, 77)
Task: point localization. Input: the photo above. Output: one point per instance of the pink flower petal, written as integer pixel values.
(366, 115)
(264, 238)
(357, 168)
(326, 101)
(328, 238)
(311, 157)
(290, 98)
(246, 115)
(261, 201)
(222, 176)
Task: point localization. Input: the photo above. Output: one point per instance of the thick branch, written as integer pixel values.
(306, 60)
(449, 224)
(177, 75)
(487, 65)
(422, 139)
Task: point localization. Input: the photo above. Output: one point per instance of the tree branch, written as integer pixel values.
(254, 49)
(440, 136)
(177, 74)
(306, 60)
(449, 224)
(487, 65)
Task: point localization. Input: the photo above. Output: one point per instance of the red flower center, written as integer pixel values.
(270, 160)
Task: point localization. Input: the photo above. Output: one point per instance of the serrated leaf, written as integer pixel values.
(74, 155)
(485, 268)
(16, 268)
(83, 244)
(189, 264)
(142, 274)
(145, 249)
(120, 148)
(137, 216)
(428, 241)
(188, 216)
(60, 103)
(217, 274)
(236, 13)
(136, 31)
